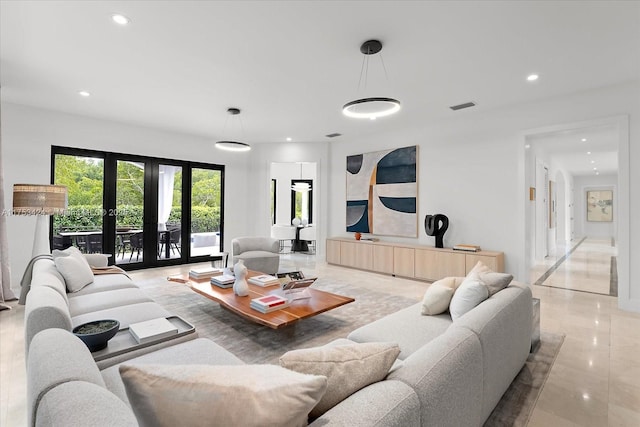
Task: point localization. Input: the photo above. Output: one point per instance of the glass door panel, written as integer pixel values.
(206, 201)
(83, 223)
(129, 212)
(169, 212)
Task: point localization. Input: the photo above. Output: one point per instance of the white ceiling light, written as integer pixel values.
(584, 140)
(289, 139)
(84, 93)
(588, 152)
(597, 173)
(593, 161)
(232, 145)
(120, 19)
(372, 107)
(532, 77)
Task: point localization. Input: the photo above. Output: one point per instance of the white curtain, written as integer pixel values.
(165, 194)
(6, 294)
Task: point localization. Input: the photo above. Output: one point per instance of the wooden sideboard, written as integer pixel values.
(412, 261)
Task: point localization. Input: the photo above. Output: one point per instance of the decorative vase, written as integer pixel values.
(358, 236)
(240, 286)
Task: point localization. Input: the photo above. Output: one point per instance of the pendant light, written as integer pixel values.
(374, 107)
(232, 145)
(301, 187)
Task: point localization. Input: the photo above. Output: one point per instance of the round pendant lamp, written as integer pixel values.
(229, 145)
(372, 107)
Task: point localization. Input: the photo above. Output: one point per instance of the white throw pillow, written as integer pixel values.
(438, 296)
(470, 293)
(205, 395)
(495, 282)
(348, 368)
(73, 267)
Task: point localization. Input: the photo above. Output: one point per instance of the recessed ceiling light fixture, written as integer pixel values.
(597, 173)
(120, 19)
(84, 93)
(588, 152)
(584, 140)
(373, 107)
(595, 169)
(593, 161)
(532, 77)
(229, 145)
(289, 139)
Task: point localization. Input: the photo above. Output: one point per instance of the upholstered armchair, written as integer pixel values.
(259, 253)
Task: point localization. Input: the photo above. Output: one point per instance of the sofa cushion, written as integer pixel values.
(348, 368)
(45, 273)
(470, 293)
(196, 395)
(74, 268)
(406, 327)
(102, 300)
(126, 314)
(106, 282)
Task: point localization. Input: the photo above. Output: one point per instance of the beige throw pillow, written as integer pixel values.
(73, 267)
(438, 296)
(205, 395)
(495, 282)
(348, 368)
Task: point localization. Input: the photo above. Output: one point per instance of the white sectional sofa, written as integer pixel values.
(449, 372)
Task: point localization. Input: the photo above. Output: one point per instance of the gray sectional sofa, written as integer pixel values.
(449, 373)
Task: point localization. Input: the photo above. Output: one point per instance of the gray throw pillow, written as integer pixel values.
(495, 282)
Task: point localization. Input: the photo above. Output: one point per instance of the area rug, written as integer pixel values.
(255, 343)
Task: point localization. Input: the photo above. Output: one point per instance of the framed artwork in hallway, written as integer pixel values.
(600, 205)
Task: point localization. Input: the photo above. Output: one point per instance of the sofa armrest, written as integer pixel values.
(45, 309)
(387, 403)
(97, 260)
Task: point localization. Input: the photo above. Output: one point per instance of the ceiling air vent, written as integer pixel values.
(461, 106)
(333, 135)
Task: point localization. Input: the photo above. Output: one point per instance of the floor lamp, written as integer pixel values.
(42, 201)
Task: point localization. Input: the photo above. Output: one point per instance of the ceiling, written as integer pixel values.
(290, 66)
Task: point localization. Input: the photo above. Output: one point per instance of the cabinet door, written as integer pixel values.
(382, 259)
(348, 254)
(333, 251)
(495, 263)
(403, 262)
(355, 254)
(364, 256)
(434, 265)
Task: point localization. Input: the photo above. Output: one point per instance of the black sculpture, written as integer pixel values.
(436, 225)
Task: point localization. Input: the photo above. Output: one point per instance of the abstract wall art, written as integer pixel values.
(382, 192)
(600, 206)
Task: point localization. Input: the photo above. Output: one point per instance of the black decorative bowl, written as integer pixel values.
(96, 334)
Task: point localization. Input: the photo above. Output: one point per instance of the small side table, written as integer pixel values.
(219, 260)
(535, 326)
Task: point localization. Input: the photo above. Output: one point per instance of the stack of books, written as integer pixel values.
(152, 330)
(223, 281)
(269, 303)
(468, 248)
(205, 272)
(264, 280)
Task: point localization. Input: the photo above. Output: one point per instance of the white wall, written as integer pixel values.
(471, 168)
(28, 134)
(591, 228)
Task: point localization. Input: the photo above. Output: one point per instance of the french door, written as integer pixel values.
(143, 211)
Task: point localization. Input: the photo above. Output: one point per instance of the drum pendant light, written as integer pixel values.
(373, 107)
(233, 145)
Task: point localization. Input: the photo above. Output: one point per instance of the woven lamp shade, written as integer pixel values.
(30, 199)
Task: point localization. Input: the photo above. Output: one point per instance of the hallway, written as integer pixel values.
(595, 380)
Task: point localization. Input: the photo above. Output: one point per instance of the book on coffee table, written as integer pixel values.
(152, 330)
(269, 303)
(205, 272)
(224, 281)
(264, 280)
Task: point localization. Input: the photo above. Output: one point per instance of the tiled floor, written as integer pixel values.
(595, 380)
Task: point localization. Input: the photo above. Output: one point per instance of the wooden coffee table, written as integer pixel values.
(319, 302)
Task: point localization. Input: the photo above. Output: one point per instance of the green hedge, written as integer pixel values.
(203, 218)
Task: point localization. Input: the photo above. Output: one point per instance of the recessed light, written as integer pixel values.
(84, 93)
(527, 146)
(588, 152)
(289, 139)
(120, 19)
(597, 173)
(593, 161)
(595, 169)
(584, 140)
(532, 77)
